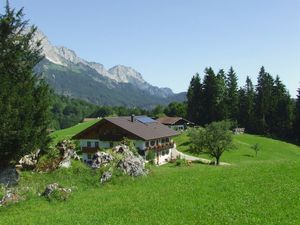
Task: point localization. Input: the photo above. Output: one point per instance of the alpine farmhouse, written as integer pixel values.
(176, 123)
(146, 134)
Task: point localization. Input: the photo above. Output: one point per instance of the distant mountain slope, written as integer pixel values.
(73, 76)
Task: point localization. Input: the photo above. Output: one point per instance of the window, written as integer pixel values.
(163, 140)
(89, 156)
(88, 144)
(152, 143)
(96, 144)
(147, 144)
(167, 139)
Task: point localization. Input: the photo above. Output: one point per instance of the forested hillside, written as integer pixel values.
(266, 108)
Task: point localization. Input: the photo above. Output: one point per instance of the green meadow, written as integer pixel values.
(252, 190)
(69, 132)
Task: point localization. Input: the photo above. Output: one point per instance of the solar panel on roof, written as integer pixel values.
(144, 119)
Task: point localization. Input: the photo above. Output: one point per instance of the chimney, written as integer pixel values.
(132, 118)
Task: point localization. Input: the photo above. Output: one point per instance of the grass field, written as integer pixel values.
(69, 132)
(253, 190)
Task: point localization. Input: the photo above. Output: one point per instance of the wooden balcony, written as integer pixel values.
(90, 149)
(160, 147)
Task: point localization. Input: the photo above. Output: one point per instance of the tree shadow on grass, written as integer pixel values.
(184, 143)
(248, 155)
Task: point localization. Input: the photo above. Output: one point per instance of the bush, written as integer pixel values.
(150, 157)
(256, 147)
(47, 163)
(181, 162)
(58, 195)
(2, 191)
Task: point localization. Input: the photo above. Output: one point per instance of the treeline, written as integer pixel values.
(66, 112)
(266, 108)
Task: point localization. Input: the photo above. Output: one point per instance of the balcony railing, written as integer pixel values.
(89, 149)
(161, 146)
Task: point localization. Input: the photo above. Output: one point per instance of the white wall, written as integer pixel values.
(102, 144)
(163, 158)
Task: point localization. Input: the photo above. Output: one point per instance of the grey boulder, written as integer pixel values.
(29, 161)
(133, 166)
(9, 197)
(101, 159)
(106, 176)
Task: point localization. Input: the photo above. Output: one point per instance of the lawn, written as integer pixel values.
(69, 132)
(253, 190)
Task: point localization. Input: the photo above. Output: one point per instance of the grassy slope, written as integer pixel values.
(69, 132)
(262, 190)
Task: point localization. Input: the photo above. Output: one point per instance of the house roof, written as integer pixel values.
(89, 119)
(148, 130)
(171, 120)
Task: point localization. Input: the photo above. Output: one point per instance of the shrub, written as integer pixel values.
(150, 156)
(181, 162)
(256, 147)
(59, 195)
(2, 191)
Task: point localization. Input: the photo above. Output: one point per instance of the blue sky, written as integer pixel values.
(168, 41)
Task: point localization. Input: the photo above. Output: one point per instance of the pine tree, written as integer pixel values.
(232, 94)
(222, 108)
(263, 101)
(297, 118)
(194, 100)
(281, 115)
(24, 99)
(246, 106)
(210, 96)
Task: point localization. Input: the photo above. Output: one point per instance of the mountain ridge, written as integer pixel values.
(66, 62)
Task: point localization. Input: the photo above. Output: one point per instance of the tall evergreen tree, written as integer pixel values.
(232, 94)
(263, 101)
(194, 100)
(210, 96)
(24, 99)
(297, 118)
(281, 116)
(246, 106)
(222, 108)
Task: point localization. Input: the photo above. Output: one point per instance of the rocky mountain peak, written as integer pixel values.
(126, 74)
(118, 74)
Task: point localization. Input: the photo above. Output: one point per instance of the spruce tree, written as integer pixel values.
(263, 101)
(246, 106)
(210, 96)
(222, 108)
(297, 119)
(24, 99)
(281, 115)
(232, 94)
(194, 100)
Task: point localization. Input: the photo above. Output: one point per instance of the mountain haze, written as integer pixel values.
(73, 76)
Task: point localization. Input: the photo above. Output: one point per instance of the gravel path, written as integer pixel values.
(193, 158)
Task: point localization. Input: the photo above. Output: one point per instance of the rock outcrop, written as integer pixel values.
(51, 188)
(29, 161)
(130, 164)
(67, 151)
(9, 197)
(133, 166)
(106, 176)
(101, 159)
